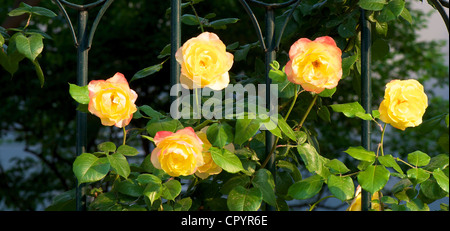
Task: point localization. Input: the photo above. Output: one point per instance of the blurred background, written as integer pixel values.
(37, 125)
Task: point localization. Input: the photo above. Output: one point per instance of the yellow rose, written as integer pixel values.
(204, 62)
(404, 104)
(178, 154)
(356, 203)
(210, 167)
(112, 100)
(315, 65)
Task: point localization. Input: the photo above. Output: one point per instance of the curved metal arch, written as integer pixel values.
(272, 5)
(439, 5)
(268, 7)
(81, 7)
(97, 21)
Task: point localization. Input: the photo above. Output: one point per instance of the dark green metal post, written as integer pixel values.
(366, 94)
(82, 78)
(175, 43)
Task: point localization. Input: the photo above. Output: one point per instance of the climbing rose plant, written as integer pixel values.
(219, 164)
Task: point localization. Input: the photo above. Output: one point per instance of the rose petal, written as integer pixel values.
(298, 47)
(159, 136)
(155, 158)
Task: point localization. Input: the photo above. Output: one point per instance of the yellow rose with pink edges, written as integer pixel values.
(315, 65)
(112, 100)
(209, 167)
(204, 62)
(178, 154)
(404, 104)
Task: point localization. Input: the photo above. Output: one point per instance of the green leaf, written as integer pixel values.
(148, 178)
(242, 199)
(374, 178)
(417, 205)
(149, 111)
(418, 158)
(39, 72)
(147, 71)
(337, 166)
(241, 54)
(286, 129)
(120, 164)
(417, 175)
(89, 168)
(292, 168)
(342, 187)
(328, 92)
(406, 15)
(192, 20)
(22, 9)
(347, 63)
(43, 12)
(226, 160)
(220, 134)
(245, 129)
(361, 153)
(264, 181)
(440, 161)
(127, 150)
(165, 51)
(107, 147)
(153, 191)
(313, 161)
(441, 179)
(222, 23)
(374, 5)
(79, 94)
(389, 161)
(306, 188)
(351, 110)
(130, 188)
(381, 28)
(155, 125)
(242, 180)
(30, 47)
(183, 204)
(324, 114)
(376, 114)
(104, 202)
(393, 9)
(171, 189)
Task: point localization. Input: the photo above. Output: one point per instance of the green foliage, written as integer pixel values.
(25, 42)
